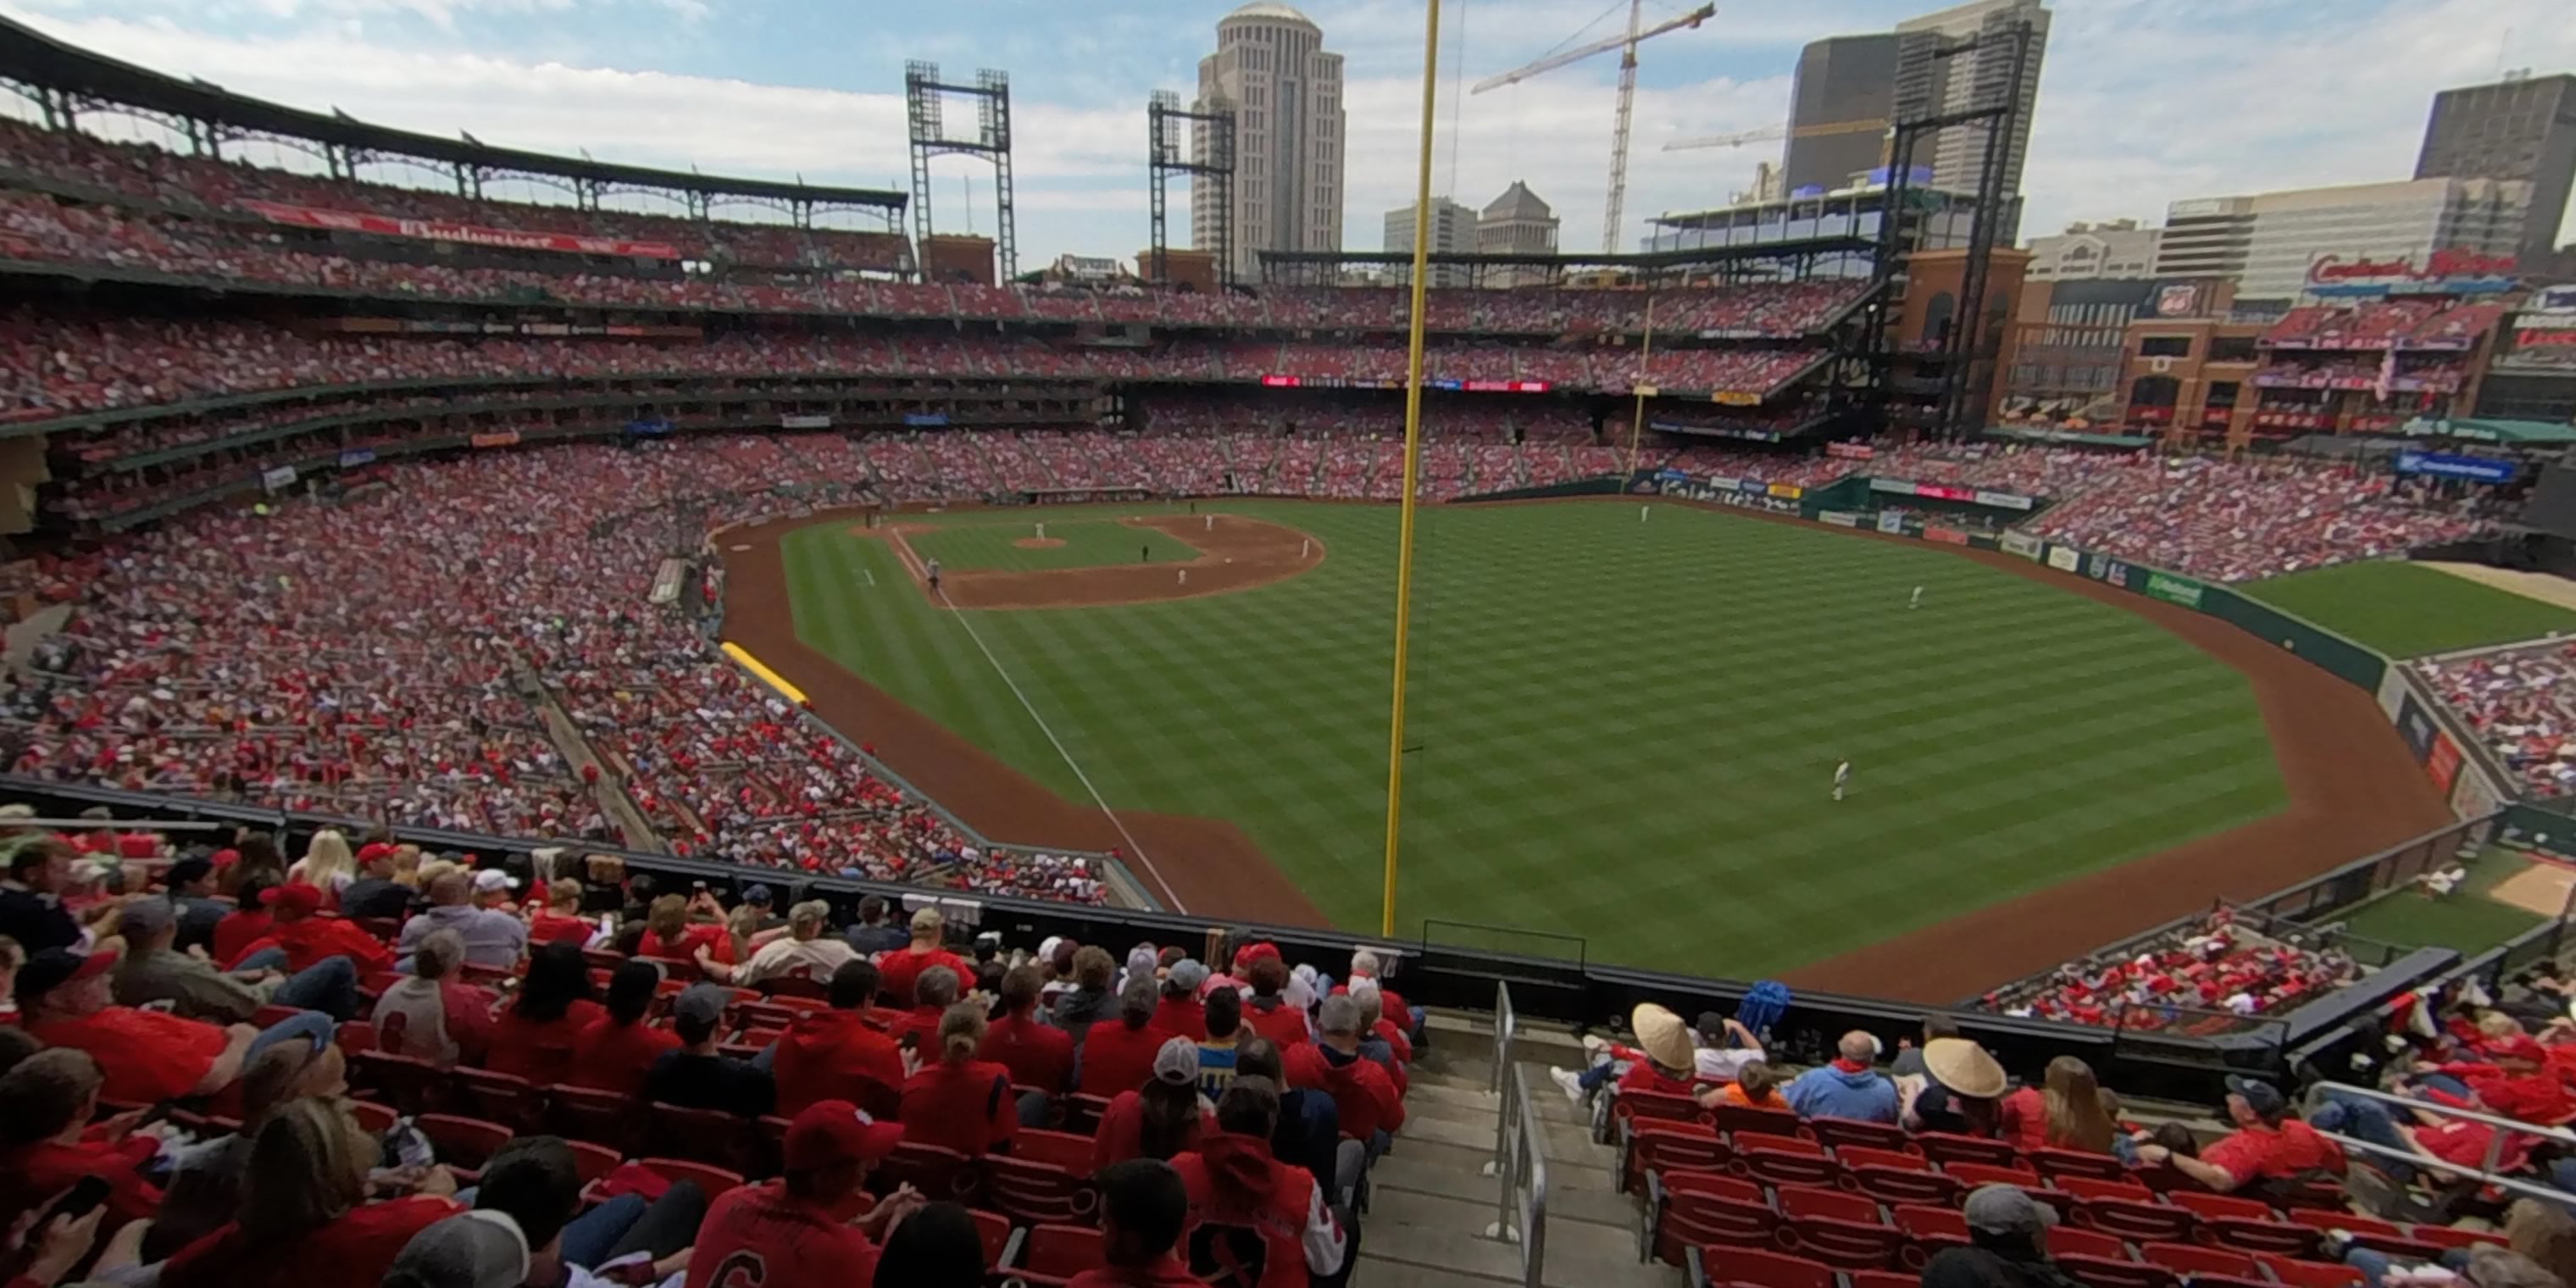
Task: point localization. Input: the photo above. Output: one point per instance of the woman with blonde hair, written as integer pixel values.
(2068, 1115)
(407, 867)
(328, 863)
(304, 1215)
(960, 1102)
(668, 933)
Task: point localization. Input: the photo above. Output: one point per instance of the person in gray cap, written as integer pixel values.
(154, 970)
(1181, 1012)
(698, 1077)
(475, 1250)
(2007, 1245)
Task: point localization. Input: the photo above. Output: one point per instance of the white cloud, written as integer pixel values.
(2142, 101)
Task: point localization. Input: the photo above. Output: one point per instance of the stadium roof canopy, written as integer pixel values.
(34, 59)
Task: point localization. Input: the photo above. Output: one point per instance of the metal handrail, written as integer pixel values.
(1520, 1209)
(2486, 1169)
(1506, 1021)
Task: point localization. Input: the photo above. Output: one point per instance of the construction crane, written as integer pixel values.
(1627, 47)
(1773, 133)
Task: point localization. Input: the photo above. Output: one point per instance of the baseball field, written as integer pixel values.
(1622, 731)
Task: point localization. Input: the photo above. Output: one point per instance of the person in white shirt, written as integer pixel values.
(1716, 1061)
(1842, 778)
(1917, 601)
(805, 950)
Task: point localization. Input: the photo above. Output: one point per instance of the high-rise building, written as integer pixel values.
(1938, 71)
(1271, 69)
(1453, 232)
(2117, 249)
(1839, 107)
(2270, 243)
(1517, 223)
(2523, 128)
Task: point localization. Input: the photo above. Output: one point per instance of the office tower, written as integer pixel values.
(1928, 83)
(1839, 108)
(1453, 232)
(2524, 128)
(1271, 68)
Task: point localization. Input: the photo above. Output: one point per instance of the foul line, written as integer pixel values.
(1070, 763)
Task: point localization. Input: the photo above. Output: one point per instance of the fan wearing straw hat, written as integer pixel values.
(1961, 1085)
(1661, 1061)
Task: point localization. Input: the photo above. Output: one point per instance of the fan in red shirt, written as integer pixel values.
(670, 935)
(615, 1051)
(1144, 1211)
(537, 1036)
(305, 1221)
(1365, 965)
(1038, 1055)
(1180, 1012)
(1274, 1227)
(307, 937)
(561, 921)
(1165, 1117)
(933, 992)
(961, 1103)
(2068, 1116)
(1363, 1094)
(836, 1054)
(1120, 1057)
(899, 968)
(2268, 1144)
(247, 924)
(145, 1056)
(1268, 1011)
(46, 1104)
(796, 1231)
(2519, 1084)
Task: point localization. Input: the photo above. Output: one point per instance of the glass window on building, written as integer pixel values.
(2165, 346)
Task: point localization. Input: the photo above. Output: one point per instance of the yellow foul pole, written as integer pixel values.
(1412, 457)
(1645, 353)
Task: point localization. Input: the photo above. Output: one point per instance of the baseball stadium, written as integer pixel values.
(589, 671)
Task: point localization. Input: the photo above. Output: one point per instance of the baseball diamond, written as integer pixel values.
(1619, 731)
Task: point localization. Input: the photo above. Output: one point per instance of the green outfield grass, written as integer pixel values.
(989, 543)
(2468, 921)
(2407, 610)
(1621, 730)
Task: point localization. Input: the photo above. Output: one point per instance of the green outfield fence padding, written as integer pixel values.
(1603, 485)
(1850, 493)
(2321, 647)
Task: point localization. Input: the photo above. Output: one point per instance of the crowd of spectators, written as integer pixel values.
(2220, 519)
(2521, 704)
(2422, 323)
(2214, 964)
(523, 1078)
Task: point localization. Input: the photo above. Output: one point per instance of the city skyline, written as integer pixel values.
(2125, 124)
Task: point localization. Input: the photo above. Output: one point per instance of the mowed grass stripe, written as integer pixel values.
(2407, 610)
(1626, 729)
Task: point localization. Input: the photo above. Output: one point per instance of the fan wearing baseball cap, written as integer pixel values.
(2518, 1082)
(796, 1231)
(1167, 1116)
(898, 969)
(145, 1056)
(305, 938)
(2268, 1144)
(2007, 1245)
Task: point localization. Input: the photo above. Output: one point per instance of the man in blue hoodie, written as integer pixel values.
(1846, 1088)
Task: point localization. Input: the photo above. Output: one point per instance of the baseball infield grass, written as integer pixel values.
(1618, 730)
(2404, 610)
(1089, 542)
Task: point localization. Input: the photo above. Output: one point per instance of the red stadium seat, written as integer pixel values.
(500, 1097)
(2087, 1188)
(2103, 1272)
(2074, 1241)
(2194, 1260)
(1761, 1158)
(2209, 1206)
(1745, 1120)
(601, 1117)
(1893, 1185)
(2060, 1164)
(409, 1084)
(1842, 1133)
(2279, 1238)
(2136, 1222)
(1668, 1147)
(1721, 1264)
(715, 1181)
(1054, 1254)
(1656, 1106)
(1865, 1156)
(2444, 1236)
(1841, 1230)
(993, 1231)
(1973, 1175)
(377, 1119)
(593, 1162)
(937, 1173)
(1685, 1209)
(1082, 1113)
(1945, 1148)
(710, 1136)
(2296, 1273)
(464, 1144)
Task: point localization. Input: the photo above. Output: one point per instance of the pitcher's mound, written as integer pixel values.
(1038, 543)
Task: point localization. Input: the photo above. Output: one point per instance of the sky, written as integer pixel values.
(2141, 101)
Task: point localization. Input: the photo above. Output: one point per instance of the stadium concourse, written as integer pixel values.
(596, 1078)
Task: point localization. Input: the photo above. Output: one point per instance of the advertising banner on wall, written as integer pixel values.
(357, 456)
(2415, 725)
(2442, 762)
(2065, 558)
(2106, 568)
(1891, 522)
(498, 438)
(282, 476)
(2476, 469)
(1839, 518)
(2174, 590)
(2028, 547)
(1945, 536)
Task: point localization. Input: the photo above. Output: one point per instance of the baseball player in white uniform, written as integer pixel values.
(1842, 778)
(1917, 601)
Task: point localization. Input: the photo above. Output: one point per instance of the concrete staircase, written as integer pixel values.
(1431, 1201)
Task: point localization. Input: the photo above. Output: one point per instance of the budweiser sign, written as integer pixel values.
(2449, 262)
(351, 221)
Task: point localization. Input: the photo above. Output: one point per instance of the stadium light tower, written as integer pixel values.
(1627, 47)
(1213, 165)
(923, 92)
